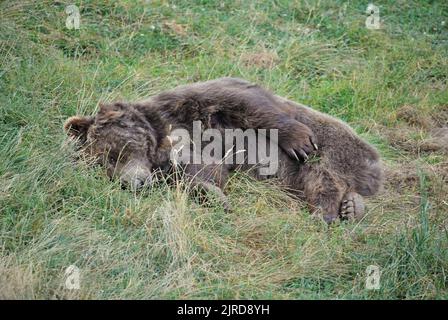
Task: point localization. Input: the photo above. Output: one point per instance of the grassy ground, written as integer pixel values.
(389, 84)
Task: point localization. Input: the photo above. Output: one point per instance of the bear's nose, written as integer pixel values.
(139, 183)
(135, 175)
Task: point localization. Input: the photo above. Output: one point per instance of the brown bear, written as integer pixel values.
(320, 158)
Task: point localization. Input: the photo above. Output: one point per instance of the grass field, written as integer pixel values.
(389, 84)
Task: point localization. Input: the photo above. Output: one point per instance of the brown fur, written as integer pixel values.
(130, 139)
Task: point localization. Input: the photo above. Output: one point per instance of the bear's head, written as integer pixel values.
(122, 139)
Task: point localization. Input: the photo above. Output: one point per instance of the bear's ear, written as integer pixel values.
(76, 127)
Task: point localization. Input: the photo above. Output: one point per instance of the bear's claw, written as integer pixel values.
(352, 207)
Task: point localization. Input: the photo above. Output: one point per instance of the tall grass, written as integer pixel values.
(162, 244)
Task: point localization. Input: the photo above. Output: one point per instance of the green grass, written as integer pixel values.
(161, 244)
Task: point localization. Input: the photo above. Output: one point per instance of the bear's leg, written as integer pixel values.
(324, 192)
(352, 206)
(206, 182)
(207, 192)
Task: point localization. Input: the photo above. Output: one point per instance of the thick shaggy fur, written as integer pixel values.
(131, 140)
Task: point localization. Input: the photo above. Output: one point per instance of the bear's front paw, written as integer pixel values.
(352, 207)
(299, 143)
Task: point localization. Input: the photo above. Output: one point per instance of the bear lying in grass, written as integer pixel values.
(320, 159)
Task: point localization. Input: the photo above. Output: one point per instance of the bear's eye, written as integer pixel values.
(113, 158)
